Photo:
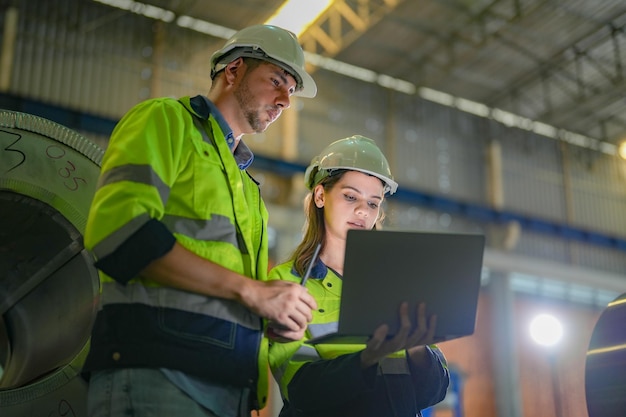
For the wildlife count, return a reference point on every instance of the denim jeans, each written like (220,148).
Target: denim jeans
(139,393)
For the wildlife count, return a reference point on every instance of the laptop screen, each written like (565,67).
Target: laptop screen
(383,268)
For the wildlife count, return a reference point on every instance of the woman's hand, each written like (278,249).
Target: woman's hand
(379,346)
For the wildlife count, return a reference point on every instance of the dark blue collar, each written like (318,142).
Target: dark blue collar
(319,270)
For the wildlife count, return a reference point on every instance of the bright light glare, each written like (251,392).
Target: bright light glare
(297,15)
(546,330)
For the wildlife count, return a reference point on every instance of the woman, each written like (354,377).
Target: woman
(396,377)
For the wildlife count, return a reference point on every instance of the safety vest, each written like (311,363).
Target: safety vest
(325,286)
(169,161)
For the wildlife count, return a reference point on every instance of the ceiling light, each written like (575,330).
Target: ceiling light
(297,15)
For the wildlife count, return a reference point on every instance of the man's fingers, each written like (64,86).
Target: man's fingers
(308,299)
(282,335)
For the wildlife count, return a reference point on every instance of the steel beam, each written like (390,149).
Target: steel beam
(342,23)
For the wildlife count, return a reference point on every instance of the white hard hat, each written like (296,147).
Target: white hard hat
(355,153)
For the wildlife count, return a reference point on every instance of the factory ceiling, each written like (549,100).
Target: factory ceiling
(555,63)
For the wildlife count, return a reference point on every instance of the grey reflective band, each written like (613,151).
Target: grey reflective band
(142,174)
(394,366)
(305,353)
(321,329)
(115,293)
(217,228)
(109,244)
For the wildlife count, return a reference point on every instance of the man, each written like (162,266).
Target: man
(179,231)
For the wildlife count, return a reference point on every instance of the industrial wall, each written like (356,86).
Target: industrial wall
(87,56)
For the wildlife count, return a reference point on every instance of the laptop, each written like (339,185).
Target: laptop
(383,268)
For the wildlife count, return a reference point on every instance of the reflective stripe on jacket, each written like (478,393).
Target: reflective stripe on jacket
(169,170)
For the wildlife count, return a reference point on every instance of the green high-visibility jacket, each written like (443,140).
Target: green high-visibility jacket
(169,175)
(327,380)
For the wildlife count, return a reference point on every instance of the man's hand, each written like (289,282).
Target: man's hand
(282,335)
(379,347)
(287,306)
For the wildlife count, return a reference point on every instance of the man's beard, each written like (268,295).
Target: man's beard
(247,102)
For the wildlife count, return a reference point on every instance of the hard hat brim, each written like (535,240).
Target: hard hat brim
(390,185)
(309,88)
